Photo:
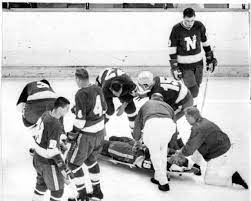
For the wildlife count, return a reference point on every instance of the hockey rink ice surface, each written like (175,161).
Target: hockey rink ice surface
(226,104)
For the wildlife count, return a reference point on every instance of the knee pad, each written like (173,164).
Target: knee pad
(194,90)
(56,195)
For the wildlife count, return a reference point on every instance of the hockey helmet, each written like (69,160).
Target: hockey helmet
(145,80)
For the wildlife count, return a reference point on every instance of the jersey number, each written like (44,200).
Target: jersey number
(42,85)
(37,130)
(169,84)
(190,43)
(98,110)
(113,73)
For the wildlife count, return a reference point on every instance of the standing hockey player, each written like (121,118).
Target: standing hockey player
(116,83)
(186,57)
(89,121)
(35,99)
(155,119)
(210,142)
(175,93)
(51,169)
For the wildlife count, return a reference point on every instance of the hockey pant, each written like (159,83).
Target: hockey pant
(157,133)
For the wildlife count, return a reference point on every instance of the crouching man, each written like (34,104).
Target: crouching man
(213,144)
(155,118)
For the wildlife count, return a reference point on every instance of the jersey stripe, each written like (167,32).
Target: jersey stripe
(95,127)
(55,178)
(206,43)
(76,150)
(132,114)
(42,95)
(190,58)
(182,93)
(172,50)
(120,154)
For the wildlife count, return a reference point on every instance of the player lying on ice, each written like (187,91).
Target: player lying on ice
(207,141)
(125,150)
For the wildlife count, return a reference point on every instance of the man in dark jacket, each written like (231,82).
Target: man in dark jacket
(213,145)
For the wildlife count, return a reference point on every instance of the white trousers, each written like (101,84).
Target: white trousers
(156,135)
(218,171)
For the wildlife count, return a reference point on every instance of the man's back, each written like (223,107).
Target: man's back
(90,104)
(155,108)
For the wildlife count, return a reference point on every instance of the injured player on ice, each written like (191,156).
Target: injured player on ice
(123,150)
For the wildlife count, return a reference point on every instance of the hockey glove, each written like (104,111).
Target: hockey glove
(72,136)
(63,143)
(211,61)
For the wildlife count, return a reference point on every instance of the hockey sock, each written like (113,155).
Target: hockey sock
(94,172)
(194,90)
(56,195)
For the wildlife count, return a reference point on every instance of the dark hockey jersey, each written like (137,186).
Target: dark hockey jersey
(34,91)
(172,91)
(128,86)
(108,74)
(48,135)
(90,107)
(186,43)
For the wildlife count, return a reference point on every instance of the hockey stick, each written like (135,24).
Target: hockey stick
(205,92)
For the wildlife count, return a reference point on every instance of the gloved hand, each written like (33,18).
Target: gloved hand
(72,136)
(211,61)
(175,70)
(63,143)
(68,175)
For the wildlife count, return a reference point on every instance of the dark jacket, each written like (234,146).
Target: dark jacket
(208,139)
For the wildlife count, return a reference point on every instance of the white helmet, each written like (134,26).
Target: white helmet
(145,80)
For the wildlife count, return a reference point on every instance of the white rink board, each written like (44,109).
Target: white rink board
(113,38)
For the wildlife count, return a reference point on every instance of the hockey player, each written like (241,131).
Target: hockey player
(210,142)
(116,83)
(155,118)
(35,99)
(175,93)
(89,122)
(122,149)
(186,57)
(50,167)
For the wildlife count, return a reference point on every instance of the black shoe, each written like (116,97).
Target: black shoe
(155,181)
(196,170)
(97,193)
(164,187)
(237,179)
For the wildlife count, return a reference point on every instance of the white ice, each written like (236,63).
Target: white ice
(226,104)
